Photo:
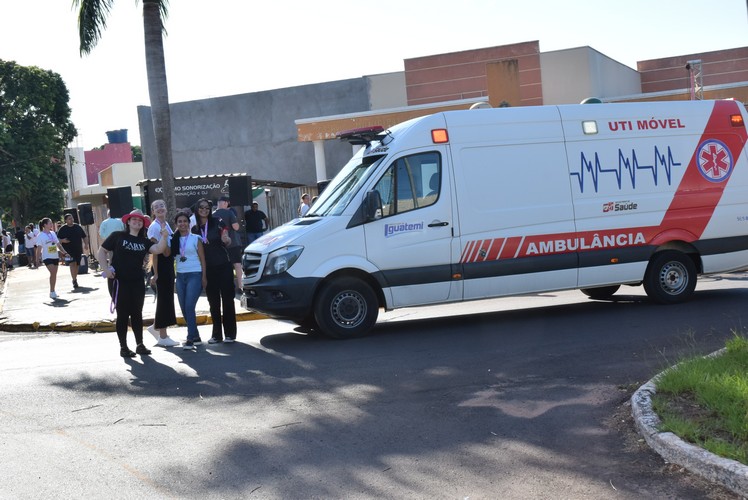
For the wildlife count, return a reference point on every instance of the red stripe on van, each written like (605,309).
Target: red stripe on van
(696,198)
(510,248)
(478,249)
(466,251)
(493,252)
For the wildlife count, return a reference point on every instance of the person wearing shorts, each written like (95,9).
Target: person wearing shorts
(74,240)
(48,249)
(30,244)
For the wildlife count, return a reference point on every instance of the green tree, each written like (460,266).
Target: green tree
(137,153)
(92,17)
(35,129)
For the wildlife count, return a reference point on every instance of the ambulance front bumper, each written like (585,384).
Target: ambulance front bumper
(282,296)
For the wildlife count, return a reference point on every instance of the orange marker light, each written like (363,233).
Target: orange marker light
(736,120)
(439,136)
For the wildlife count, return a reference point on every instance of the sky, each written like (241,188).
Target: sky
(240,46)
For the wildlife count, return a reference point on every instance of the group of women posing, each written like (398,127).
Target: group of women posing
(200,259)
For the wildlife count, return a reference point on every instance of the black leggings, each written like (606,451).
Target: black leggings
(165,312)
(130,297)
(220,292)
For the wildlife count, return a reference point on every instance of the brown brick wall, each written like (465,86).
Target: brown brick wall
(462,75)
(718,67)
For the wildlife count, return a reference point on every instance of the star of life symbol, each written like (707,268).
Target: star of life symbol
(714,160)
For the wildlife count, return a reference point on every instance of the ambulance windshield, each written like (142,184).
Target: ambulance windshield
(344,186)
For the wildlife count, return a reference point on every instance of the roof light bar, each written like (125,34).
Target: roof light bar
(358,136)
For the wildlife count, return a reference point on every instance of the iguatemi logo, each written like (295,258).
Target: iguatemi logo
(714,160)
(402,228)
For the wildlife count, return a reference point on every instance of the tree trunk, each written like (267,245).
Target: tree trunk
(159,95)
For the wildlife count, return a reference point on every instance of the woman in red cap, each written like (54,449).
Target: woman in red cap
(121,256)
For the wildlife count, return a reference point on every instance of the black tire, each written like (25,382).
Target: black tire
(670,277)
(601,292)
(346,308)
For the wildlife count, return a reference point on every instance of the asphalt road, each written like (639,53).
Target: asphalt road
(524,398)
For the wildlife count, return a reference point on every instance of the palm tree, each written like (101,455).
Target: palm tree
(92,17)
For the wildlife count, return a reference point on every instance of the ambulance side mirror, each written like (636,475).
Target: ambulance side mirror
(372,206)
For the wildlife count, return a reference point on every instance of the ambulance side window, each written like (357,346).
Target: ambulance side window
(411,182)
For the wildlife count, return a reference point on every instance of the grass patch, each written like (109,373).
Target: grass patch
(704,400)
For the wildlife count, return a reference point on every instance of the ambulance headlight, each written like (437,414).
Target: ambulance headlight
(281,260)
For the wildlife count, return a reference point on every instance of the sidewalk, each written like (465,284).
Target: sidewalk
(25,305)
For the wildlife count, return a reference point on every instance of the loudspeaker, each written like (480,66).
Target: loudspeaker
(321,185)
(86,214)
(71,211)
(120,201)
(240,190)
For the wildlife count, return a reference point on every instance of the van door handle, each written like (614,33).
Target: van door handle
(438,224)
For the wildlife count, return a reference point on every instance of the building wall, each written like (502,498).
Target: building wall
(464,75)
(126,174)
(255,133)
(718,67)
(387,90)
(75,164)
(572,75)
(99,159)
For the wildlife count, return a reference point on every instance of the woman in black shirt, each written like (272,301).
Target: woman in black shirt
(122,255)
(220,289)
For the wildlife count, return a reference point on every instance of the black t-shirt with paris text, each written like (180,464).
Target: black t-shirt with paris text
(128,252)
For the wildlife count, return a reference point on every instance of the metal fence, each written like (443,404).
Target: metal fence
(283,203)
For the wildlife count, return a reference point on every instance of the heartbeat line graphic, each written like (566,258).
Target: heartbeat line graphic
(630,165)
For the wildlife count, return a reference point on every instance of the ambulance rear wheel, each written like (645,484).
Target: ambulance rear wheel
(601,292)
(346,308)
(670,277)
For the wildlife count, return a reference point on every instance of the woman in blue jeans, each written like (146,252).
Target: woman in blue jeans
(187,249)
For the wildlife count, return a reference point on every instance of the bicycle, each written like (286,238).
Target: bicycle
(5,264)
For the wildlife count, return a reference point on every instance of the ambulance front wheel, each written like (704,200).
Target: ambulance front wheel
(345,308)
(670,277)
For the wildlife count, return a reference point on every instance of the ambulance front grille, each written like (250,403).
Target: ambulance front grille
(252,265)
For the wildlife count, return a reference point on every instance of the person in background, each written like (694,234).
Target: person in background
(75,242)
(229,218)
(21,238)
(121,256)
(7,242)
(49,249)
(256,222)
(163,277)
(110,225)
(30,240)
(304,206)
(7,246)
(220,273)
(187,249)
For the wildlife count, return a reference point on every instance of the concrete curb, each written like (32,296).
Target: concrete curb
(103,326)
(729,473)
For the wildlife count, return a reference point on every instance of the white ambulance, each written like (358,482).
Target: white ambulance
(473,204)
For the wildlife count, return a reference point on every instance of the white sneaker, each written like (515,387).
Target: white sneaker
(167,342)
(152,331)
(53,295)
